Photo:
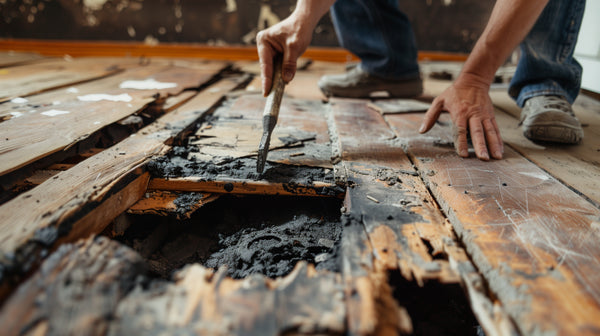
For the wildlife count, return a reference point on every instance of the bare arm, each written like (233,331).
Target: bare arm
(467,99)
(290,37)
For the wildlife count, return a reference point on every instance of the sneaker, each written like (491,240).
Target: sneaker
(357,83)
(550,118)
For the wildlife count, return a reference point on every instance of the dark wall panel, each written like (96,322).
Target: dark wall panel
(442,25)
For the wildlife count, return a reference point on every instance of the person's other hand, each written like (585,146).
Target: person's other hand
(290,37)
(471,111)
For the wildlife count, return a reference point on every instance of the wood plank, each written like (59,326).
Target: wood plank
(76,290)
(12,58)
(54,121)
(165,203)
(48,74)
(402,227)
(300,137)
(70,206)
(532,238)
(577,166)
(290,186)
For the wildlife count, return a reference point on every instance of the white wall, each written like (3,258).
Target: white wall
(587,51)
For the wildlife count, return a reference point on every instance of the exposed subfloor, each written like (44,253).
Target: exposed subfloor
(130,204)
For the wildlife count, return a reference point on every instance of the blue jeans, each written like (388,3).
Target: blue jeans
(547,66)
(381,36)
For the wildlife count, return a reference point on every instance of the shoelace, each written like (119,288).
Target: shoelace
(557,103)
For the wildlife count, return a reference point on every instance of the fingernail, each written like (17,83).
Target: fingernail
(485,156)
(464,153)
(498,155)
(422,128)
(287,76)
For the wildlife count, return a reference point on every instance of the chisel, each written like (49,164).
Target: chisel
(270,113)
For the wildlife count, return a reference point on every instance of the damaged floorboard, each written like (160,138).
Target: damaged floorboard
(517,235)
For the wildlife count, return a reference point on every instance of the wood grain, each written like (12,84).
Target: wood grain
(532,238)
(60,208)
(34,135)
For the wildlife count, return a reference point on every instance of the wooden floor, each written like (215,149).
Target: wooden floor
(520,235)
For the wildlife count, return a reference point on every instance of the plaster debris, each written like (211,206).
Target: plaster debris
(52,113)
(19,100)
(147,84)
(16,114)
(73,90)
(102,96)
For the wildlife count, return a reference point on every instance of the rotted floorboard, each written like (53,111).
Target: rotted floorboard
(519,241)
(533,239)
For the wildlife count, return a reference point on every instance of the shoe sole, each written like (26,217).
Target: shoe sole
(561,133)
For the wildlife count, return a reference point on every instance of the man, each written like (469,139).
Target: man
(546,82)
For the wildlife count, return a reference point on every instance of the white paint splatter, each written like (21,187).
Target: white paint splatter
(102,96)
(231,6)
(94,4)
(16,114)
(96,123)
(73,90)
(540,176)
(52,113)
(19,100)
(130,31)
(148,84)
(56,102)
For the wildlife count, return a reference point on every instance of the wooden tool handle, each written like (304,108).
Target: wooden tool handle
(277,86)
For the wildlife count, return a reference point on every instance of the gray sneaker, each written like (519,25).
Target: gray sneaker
(357,83)
(550,118)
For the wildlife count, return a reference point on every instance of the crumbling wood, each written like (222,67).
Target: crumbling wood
(84,199)
(246,186)
(402,226)
(201,301)
(75,291)
(164,203)
(59,119)
(533,239)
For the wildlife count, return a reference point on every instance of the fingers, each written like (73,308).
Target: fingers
(290,58)
(432,115)
(478,137)
(265,56)
(459,133)
(493,138)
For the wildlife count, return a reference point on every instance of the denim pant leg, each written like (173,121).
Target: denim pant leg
(547,66)
(379,34)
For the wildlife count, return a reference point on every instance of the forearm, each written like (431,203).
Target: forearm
(311,11)
(509,23)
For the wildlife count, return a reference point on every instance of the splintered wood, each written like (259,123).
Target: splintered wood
(519,234)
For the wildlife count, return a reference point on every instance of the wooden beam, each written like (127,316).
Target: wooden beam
(180,50)
(247,187)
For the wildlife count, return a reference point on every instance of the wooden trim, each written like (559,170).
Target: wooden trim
(176,50)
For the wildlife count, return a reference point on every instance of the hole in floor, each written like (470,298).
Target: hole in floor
(250,234)
(436,309)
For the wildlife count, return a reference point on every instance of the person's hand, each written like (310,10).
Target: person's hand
(471,111)
(290,37)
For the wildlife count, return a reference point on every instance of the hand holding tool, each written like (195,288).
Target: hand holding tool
(271,112)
